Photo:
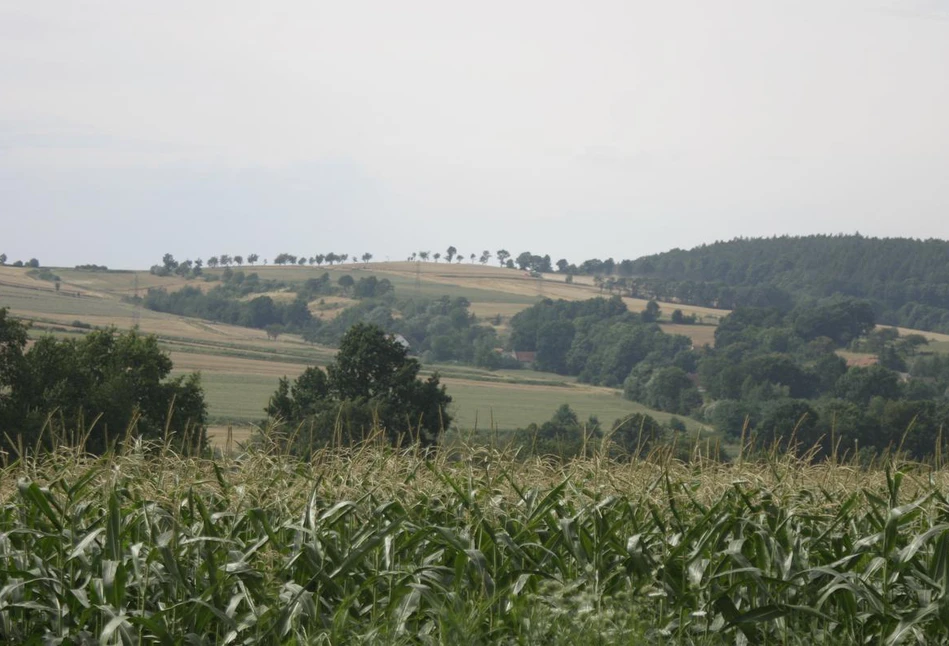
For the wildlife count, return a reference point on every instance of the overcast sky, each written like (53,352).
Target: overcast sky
(580,129)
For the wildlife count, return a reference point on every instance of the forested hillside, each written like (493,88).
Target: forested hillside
(907,280)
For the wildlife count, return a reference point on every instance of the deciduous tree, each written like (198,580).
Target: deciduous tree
(119,379)
(372,382)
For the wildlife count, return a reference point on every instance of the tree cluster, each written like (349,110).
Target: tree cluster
(565,436)
(778,376)
(228,302)
(32,262)
(195,268)
(218,305)
(318,259)
(372,386)
(94,391)
(598,340)
(905,280)
(441,329)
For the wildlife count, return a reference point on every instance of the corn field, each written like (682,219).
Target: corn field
(378,546)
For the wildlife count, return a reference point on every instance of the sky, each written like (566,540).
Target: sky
(575,129)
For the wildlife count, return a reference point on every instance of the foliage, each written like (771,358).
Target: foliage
(598,340)
(532,262)
(906,280)
(565,437)
(225,303)
(668,388)
(105,386)
(441,329)
(372,384)
(374,546)
(777,377)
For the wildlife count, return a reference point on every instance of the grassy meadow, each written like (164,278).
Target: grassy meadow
(238,398)
(373,546)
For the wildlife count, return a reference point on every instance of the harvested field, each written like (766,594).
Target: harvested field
(700,334)
(932,336)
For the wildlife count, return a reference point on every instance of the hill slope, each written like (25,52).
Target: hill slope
(906,279)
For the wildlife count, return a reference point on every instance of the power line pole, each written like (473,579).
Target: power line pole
(137,310)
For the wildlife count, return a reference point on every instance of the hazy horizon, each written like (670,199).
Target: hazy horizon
(615,129)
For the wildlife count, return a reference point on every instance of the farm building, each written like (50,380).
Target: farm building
(525,357)
(401,340)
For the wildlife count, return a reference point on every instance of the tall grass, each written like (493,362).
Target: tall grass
(375,545)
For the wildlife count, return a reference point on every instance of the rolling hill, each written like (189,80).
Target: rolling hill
(240,366)
(907,280)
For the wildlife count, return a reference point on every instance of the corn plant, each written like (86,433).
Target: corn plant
(372,545)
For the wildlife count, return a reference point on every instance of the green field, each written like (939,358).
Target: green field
(20,299)
(237,398)
(240,398)
(486,406)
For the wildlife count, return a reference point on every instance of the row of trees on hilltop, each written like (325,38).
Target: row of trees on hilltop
(525,261)
(193,268)
(32,262)
(329,258)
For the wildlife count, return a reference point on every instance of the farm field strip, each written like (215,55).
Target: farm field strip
(700,334)
(237,390)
